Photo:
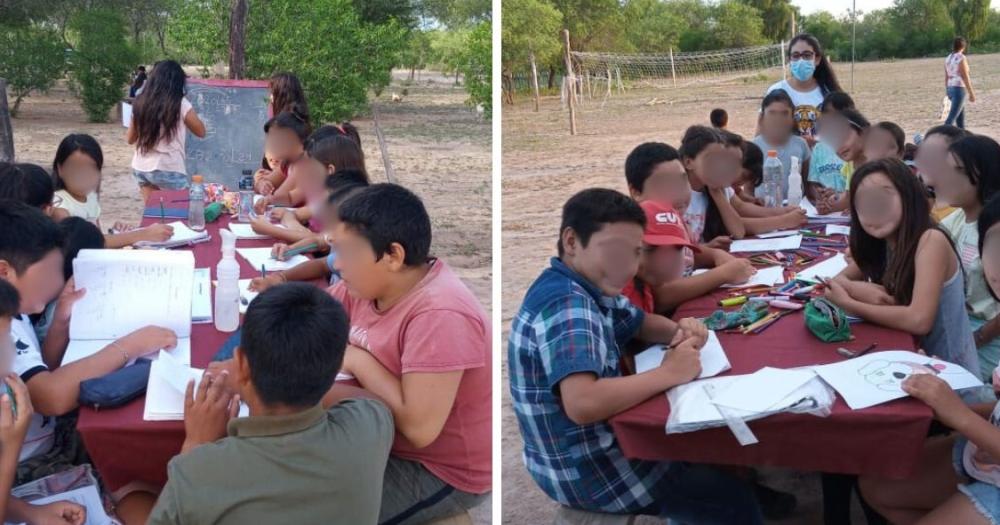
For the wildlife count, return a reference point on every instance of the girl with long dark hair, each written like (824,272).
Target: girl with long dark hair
(159,118)
(812,79)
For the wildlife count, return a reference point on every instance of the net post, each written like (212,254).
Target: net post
(570,83)
(784,72)
(534,79)
(673,72)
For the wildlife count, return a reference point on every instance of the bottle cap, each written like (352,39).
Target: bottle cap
(197,178)
(772,153)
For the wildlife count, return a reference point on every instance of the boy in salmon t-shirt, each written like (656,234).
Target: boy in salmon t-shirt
(420,341)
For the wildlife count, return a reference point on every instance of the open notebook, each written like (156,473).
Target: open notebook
(168,380)
(127,290)
(183,236)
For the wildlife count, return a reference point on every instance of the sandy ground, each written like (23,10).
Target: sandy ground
(543,166)
(438,146)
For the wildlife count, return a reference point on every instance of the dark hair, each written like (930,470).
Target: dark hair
(836,101)
(345,182)
(978,157)
(26,234)
(695,140)
(142,68)
(294,336)
(339,150)
(753,160)
(344,129)
(987,218)
(898,136)
(27,183)
(909,152)
(958,44)
(855,119)
(731,140)
(952,133)
(287,95)
(895,269)
(779,96)
(589,210)
(388,214)
(69,145)
(291,120)
(78,234)
(157,110)
(824,74)
(10,300)
(641,162)
(718,117)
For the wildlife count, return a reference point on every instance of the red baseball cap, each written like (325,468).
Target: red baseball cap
(664,226)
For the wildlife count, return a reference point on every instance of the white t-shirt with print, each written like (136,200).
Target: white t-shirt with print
(27,363)
(694,217)
(806,106)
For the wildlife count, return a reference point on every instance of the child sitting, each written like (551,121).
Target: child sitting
(662,260)
(294,461)
(930,160)
(846,132)
(284,142)
(419,341)
(777,132)
(884,140)
(564,353)
(825,166)
(31,185)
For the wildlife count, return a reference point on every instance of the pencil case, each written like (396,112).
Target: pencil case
(117,388)
(827,321)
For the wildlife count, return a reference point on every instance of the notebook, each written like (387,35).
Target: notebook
(262,256)
(183,236)
(168,380)
(827,269)
(127,290)
(769,276)
(170,211)
(713,358)
(245,231)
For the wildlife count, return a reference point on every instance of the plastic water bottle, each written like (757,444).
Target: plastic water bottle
(773,173)
(196,204)
(795,183)
(227,292)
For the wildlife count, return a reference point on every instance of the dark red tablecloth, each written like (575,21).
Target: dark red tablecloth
(122,446)
(884,440)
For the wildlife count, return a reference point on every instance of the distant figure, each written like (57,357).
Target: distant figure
(957,82)
(138,80)
(719,118)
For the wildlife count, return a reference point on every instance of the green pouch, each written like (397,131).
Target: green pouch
(212,211)
(827,321)
(749,313)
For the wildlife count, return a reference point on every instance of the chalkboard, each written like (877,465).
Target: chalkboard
(234,113)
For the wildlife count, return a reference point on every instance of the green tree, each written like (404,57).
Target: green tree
(971,17)
(417,53)
(529,26)
(777,16)
(653,26)
(200,30)
(478,68)
(31,59)
(833,34)
(102,60)
(737,25)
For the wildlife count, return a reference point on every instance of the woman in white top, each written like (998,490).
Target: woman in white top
(812,79)
(956,82)
(157,130)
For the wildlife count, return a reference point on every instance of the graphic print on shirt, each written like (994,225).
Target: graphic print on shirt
(805,120)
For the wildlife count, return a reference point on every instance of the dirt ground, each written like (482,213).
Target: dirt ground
(543,166)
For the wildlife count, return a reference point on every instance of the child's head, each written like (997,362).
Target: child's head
(654,171)
(753,164)
(888,208)
(384,231)
(157,110)
(719,118)
(971,173)
(807,61)
(10,302)
(339,186)
(78,234)
(285,136)
(601,238)
(706,160)
(883,141)
(989,245)
(292,345)
(734,144)
(326,152)
(959,45)
(777,117)
(845,132)
(932,152)
(663,243)
(287,95)
(27,183)
(78,163)
(835,102)
(31,256)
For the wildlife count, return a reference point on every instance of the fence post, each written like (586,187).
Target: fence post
(534,79)
(673,73)
(570,83)
(784,72)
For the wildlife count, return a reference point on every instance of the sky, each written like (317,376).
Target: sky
(839,7)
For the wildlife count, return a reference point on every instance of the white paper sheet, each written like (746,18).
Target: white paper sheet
(769,276)
(130,289)
(246,294)
(79,349)
(766,245)
(126,114)
(762,390)
(262,256)
(86,496)
(713,358)
(813,214)
(876,378)
(838,229)
(182,236)
(168,380)
(245,231)
(201,296)
(827,269)
(782,233)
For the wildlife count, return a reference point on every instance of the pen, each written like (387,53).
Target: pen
(161,210)
(866,350)
(263,272)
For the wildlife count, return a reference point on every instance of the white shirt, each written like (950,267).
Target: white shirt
(806,106)
(951,69)
(167,155)
(694,216)
(89,211)
(27,363)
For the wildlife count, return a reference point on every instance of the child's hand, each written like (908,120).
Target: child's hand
(147,340)
(279,249)
(259,284)
(721,242)
(690,328)
(13,429)
(795,218)
(948,407)
(278,213)
(738,271)
(261,185)
(207,414)
(122,227)
(67,298)
(157,233)
(58,513)
(683,362)
(261,205)
(870,293)
(837,293)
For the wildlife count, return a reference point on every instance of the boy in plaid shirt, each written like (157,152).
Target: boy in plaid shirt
(564,352)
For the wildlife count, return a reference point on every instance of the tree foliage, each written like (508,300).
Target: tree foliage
(102,61)
(32,58)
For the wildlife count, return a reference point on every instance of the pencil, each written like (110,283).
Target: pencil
(162,214)
(866,350)
(263,272)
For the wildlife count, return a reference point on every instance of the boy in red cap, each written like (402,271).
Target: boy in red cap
(662,260)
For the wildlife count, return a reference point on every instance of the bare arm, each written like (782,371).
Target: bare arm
(963,71)
(131,134)
(730,217)
(792,219)
(194,123)
(287,235)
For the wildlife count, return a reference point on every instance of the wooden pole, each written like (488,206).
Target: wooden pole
(237,38)
(6,131)
(609,83)
(534,79)
(784,71)
(570,83)
(673,72)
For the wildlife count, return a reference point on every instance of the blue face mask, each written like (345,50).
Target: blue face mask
(803,69)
